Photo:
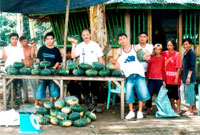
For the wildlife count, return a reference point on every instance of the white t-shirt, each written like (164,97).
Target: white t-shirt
(149,48)
(129,63)
(88,52)
(13,54)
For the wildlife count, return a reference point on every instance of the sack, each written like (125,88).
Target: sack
(163,104)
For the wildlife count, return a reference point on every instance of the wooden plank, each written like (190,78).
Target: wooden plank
(9,81)
(149,26)
(4,93)
(12,95)
(180,29)
(122,100)
(128,25)
(61,89)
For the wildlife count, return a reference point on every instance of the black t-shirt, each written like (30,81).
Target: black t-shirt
(49,54)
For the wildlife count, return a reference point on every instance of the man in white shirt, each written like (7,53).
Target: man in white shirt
(143,37)
(11,54)
(89,52)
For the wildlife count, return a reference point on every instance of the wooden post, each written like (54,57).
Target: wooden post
(180,31)
(98,25)
(32,28)
(150,26)
(4,93)
(128,25)
(65,35)
(19,27)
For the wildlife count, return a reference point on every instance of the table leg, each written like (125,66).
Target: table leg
(61,89)
(12,94)
(122,99)
(4,93)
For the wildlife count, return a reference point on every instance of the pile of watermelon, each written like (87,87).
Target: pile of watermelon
(64,112)
(44,68)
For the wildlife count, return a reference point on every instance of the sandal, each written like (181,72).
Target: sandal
(188,114)
(178,112)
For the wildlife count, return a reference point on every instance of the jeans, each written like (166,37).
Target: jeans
(33,84)
(141,90)
(153,86)
(42,86)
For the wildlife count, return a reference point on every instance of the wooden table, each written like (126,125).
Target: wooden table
(7,79)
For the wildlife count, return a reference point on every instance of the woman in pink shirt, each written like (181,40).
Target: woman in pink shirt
(173,65)
(155,74)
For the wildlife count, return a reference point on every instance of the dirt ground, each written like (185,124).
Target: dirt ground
(109,122)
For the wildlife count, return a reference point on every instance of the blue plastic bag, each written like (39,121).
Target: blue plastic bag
(163,104)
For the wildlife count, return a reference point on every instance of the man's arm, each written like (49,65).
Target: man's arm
(101,60)
(116,56)
(73,51)
(56,65)
(33,52)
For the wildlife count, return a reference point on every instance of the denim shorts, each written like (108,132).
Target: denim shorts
(137,83)
(190,96)
(42,86)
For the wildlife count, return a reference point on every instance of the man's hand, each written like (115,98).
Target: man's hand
(147,57)
(164,84)
(176,81)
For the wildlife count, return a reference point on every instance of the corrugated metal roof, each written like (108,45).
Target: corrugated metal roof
(196,2)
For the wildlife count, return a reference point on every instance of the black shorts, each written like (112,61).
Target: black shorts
(173,91)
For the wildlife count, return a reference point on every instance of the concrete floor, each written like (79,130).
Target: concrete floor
(109,122)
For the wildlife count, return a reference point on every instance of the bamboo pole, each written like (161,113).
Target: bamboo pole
(180,29)
(65,36)
(150,26)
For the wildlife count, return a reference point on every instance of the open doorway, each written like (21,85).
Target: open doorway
(164,26)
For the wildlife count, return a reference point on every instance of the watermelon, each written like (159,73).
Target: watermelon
(18,65)
(66,109)
(104,72)
(91,115)
(42,111)
(63,71)
(25,71)
(87,120)
(91,72)
(53,112)
(43,120)
(71,100)
(116,73)
(60,103)
(12,71)
(55,121)
(84,66)
(77,108)
(62,116)
(53,71)
(3,43)
(48,104)
(65,123)
(110,66)
(45,64)
(35,71)
(36,65)
(141,53)
(72,66)
(79,123)
(74,116)
(78,72)
(45,72)
(97,66)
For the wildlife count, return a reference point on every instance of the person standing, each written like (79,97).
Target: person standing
(29,55)
(11,54)
(52,54)
(88,51)
(173,65)
(126,60)
(143,37)
(155,74)
(189,76)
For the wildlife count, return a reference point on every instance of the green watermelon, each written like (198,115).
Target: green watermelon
(104,72)
(63,72)
(66,109)
(97,66)
(79,123)
(45,64)
(65,123)
(25,71)
(110,66)
(141,53)
(42,111)
(12,71)
(71,100)
(77,108)
(45,72)
(35,71)
(18,65)
(36,65)
(116,73)
(55,121)
(62,116)
(48,104)
(53,112)
(43,120)
(74,116)
(72,66)
(91,72)
(53,70)
(91,115)
(60,103)
(84,66)
(78,72)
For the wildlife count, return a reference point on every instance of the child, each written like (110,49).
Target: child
(52,54)
(11,54)
(155,74)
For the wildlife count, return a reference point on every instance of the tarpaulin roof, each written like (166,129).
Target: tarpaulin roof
(43,6)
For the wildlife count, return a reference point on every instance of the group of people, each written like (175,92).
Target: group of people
(161,68)
(143,79)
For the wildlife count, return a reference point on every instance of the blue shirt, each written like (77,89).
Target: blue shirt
(189,64)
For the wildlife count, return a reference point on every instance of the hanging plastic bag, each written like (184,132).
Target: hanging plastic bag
(163,104)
